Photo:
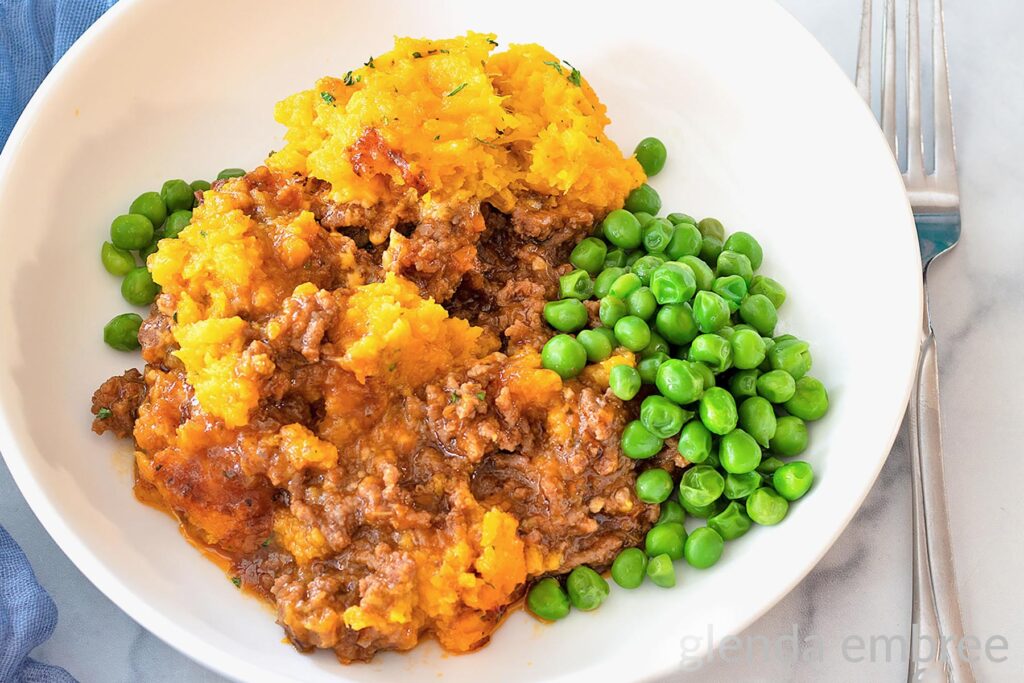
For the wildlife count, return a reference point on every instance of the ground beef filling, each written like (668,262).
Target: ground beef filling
(370,508)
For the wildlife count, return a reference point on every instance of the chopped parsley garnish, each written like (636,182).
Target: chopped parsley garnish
(103,413)
(436,138)
(453,397)
(457,90)
(556,66)
(392,366)
(492,41)
(349,80)
(417,55)
(266,542)
(370,63)
(237,581)
(481,395)
(443,51)
(327,97)
(574,75)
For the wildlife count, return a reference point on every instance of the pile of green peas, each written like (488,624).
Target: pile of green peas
(153,216)
(714,379)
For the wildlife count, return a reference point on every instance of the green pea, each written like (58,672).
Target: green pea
(199,185)
(138,287)
(744,383)
(566,315)
(629,567)
(661,572)
(703,548)
(700,486)
(791,355)
(644,198)
(712,227)
(673,283)
(666,539)
(641,303)
(710,249)
(638,443)
(710,311)
(748,349)
(732,288)
(231,173)
(793,480)
(732,522)
(757,310)
(547,600)
(738,452)
(624,285)
(632,332)
(177,222)
(622,229)
(657,345)
(152,248)
(777,386)
(651,154)
(616,258)
(611,310)
(680,218)
(713,350)
(654,486)
(784,337)
(678,381)
(645,265)
(589,255)
(643,217)
(757,418)
(131,231)
(766,507)
(608,334)
(726,332)
(671,511)
(656,236)
(603,282)
(648,366)
(564,355)
(703,511)
(122,332)
(775,292)
(695,442)
(662,417)
(744,243)
(702,272)
(624,382)
(705,373)
(634,256)
(151,205)
(177,195)
(769,465)
(587,589)
(596,345)
(790,436)
(685,241)
(575,285)
(739,486)
(734,263)
(116,261)
(809,401)
(718,411)
(675,322)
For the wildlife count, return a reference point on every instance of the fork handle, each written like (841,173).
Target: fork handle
(936,647)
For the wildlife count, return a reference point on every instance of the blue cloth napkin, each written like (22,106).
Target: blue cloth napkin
(27,618)
(33,36)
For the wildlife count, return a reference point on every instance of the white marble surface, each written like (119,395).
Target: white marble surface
(862,586)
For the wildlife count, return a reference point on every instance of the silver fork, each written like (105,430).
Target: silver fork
(935,199)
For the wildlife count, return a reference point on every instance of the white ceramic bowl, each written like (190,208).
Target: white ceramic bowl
(764,132)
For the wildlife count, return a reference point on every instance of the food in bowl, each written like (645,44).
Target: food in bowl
(396,382)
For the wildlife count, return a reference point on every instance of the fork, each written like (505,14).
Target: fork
(935,199)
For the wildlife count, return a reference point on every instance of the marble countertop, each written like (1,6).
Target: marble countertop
(862,586)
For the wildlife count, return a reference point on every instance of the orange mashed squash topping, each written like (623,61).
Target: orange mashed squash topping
(366,434)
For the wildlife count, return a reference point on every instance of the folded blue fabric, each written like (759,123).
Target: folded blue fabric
(33,36)
(27,618)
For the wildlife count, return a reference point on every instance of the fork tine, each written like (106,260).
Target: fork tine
(889,76)
(915,143)
(945,150)
(864,53)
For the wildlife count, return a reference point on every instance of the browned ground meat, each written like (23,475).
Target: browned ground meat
(116,404)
